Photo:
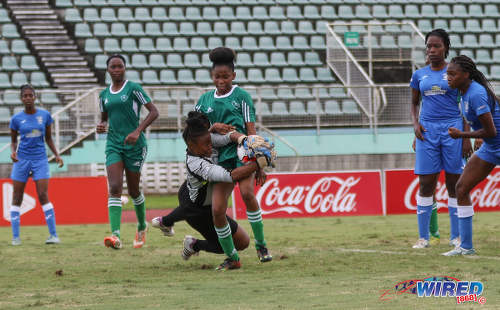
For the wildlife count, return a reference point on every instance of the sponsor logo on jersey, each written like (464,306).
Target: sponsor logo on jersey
(210,110)
(34,133)
(445,77)
(23,121)
(39,119)
(124,98)
(435,90)
(235,104)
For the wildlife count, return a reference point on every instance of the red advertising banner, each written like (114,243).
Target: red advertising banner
(316,194)
(401,189)
(76,201)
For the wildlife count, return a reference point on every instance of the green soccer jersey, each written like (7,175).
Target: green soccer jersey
(123,108)
(234,108)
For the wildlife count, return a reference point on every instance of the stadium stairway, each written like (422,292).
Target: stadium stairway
(55,49)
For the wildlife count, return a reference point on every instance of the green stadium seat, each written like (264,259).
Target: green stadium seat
(162,96)
(459,11)
(332,107)
(139,61)
(101,3)
(129,45)
(307,75)
(321,26)
(324,75)
(303,92)
(300,43)
(242,13)
(496,54)
(100,62)
(49,98)
(322,92)
(91,15)
(358,28)
(4,48)
(9,63)
(424,25)
(150,77)
(404,41)
(159,14)
(283,43)
(266,43)
(290,75)
(278,108)
(4,80)
(157,61)
(132,2)
(362,12)
(83,3)
(278,59)
(427,10)
(458,25)
(153,29)
(198,44)
(82,31)
(108,15)
(187,29)
(337,92)
(238,28)
(288,28)
(111,46)
(276,13)
(19,47)
(117,3)
(271,27)
(186,108)
(456,41)
(202,76)
(268,93)
(38,79)
(295,59)
(314,107)
(240,76)
(61,116)
(441,23)
(210,14)
(345,12)
(387,41)
(133,75)
(92,46)
(312,59)
(28,63)
(261,59)
(249,44)
(174,60)
(306,27)
(9,31)
(285,93)
(142,14)
(118,30)
(411,11)
(205,29)
(470,41)
(263,109)
(72,16)
(125,15)
(373,44)
(101,30)
(255,28)
(311,12)
(255,76)
(191,60)
(297,108)
(214,42)
(318,42)
(379,12)
(484,69)
(181,45)
(259,13)
(497,39)
(340,26)
(12,98)
(4,114)
(293,12)
(350,107)
(193,14)
(64,3)
(444,11)
(167,76)
(18,79)
(483,57)
(489,25)
(136,30)
(232,42)
(185,76)
(476,11)
(244,60)
(170,29)
(486,41)
(469,53)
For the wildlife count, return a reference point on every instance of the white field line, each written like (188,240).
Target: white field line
(406,253)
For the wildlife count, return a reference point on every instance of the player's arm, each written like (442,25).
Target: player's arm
(102,126)
(415,103)
(13,145)
(466,144)
(52,147)
(214,173)
(488,129)
(143,98)
(222,140)
(248,112)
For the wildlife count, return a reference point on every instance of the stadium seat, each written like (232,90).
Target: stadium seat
(9,31)
(293,12)
(185,76)
(240,76)
(427,10)
(306,28)
(460,11)
(203,76)
(470,41)
(255,28)
(312,59)
(272,75)
(283,43)
(198,44)
(489,25)
(174,60)
(9,63)
(116,3)
(100,62)
(411,11)
(4,80)
(176,14)
(64,3)
(125,15)
(227,13)
(153,29)
(441,23)
(82,31)
(271,27)
(90,15)
(150,77)
(92,46)
(136,30)
(28,63)
(263,109)
(455,40)
(134,76)
(181,45)
(191,60)
(243,13)
(259,13)
(295,59)
(404,41)
(332,107)
(276,13)
(318,42)
(244,60)
(303,92)
(387,41)
(285,93)
(118,30)
(108,15)
(4,114)
(307,75)
(157,61)
(255,76)
(132,2)
(288,28)
(324,75)
(278,59)
(167,76)
(101,30)
(72,16)
(486,41)
(444,11)
(297,108)
(83,3)
(483,57)
(314,107)
(350,107)
(290,75)
(139,61)
(187,29)
(210,13)
(18,79)
(4,48)
(238,28)
(12,98)
(337,92)
(205,29)
(49,98)
(362,12)
(61,116)
(159,14)
(249,44)
(214,42)
(232,42)
(19,47)
(490,10)
(261,59)
(111,45)
(129,45)
(267,94)
(220,28)
(424,25)
(266,43)
(279,108)
(458,25)
(170,29)
(193,14)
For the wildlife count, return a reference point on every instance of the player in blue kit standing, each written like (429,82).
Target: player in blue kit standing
(30,159)
(480,107)
(435,149)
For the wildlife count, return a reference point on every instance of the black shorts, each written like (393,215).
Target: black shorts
(199,217)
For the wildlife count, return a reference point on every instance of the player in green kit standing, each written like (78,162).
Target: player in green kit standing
(230,104)
(126,148)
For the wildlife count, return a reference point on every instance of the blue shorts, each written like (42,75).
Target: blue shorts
(439,151)
(488,154)
(38,168)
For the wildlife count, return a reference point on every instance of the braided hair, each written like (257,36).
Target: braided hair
(222,56)
(468,65)
(197,125)
(441,33)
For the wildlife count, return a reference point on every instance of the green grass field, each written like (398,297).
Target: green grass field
(320,263)
(160,202)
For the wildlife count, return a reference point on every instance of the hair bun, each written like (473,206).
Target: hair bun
(222,55)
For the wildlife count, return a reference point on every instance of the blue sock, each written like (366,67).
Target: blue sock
(424,219)
(50,218)
(454,231)
(15,220)
(465,227)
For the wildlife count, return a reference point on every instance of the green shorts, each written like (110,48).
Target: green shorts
(132,158)
(231,163)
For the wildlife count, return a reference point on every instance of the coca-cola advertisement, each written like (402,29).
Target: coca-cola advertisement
(316,194)
(401,189)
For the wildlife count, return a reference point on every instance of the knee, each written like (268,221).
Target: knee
(17,199)
(115,189)
(242,243)
(461,189)
(218,211)
(426,190)
(134,193)
(247,195)
(43,198)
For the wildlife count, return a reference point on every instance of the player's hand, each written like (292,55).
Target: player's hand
(260,177)
(101,127)
(466,148)
(59,161)
(454,132)
(132,137)
(221,128)
(13,156)
(414,144)
(477,143)
(419,131)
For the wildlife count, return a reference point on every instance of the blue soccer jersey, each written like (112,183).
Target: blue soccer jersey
(31,128)
(439,101)
(475,102)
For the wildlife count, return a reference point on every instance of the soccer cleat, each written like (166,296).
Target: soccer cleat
(52,240)
(263,254)
(188,250)
(113,242)
(455,242)
(421,244)
(229,264)
(16,241)
(460,251)
(140,238)
(167,230)
(434,240)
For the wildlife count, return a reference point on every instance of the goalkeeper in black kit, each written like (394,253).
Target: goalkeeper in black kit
(195,194)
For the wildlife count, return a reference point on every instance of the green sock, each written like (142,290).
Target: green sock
(115,215)
(226,242)
(433,227)
(140,211)
(255,219)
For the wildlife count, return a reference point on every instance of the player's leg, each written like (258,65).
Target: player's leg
(434,226)
(451,182)
(254,215)
(115,184)
(220,195)
(166,223)
(19,176)
(41,176)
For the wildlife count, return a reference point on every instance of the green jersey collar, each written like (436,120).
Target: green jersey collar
(117,92)
(226,95)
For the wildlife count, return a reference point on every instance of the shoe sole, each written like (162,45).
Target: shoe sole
(265,259)
(109,244)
